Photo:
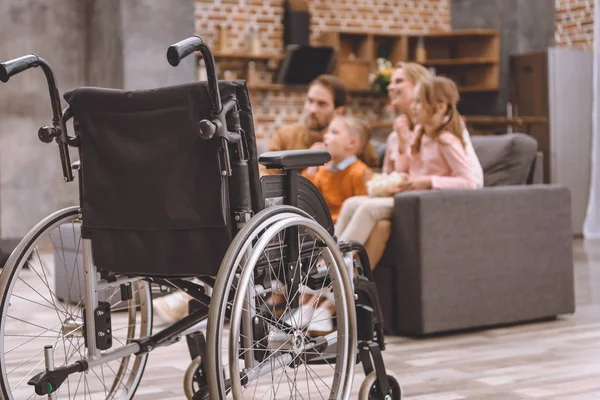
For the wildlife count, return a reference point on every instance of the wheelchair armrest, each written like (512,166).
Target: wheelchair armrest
(294,159)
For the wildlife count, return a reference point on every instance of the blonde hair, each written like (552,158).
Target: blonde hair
(414,72)
(431,92)
(357,128)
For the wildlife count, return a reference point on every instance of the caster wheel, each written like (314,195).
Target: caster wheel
(369,390)
(194,381)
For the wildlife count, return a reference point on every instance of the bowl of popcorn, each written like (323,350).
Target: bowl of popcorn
(382,184)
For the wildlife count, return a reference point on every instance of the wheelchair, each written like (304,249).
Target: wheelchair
(170,199)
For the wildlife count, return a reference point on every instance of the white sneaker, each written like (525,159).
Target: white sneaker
(300,317)
(322,321)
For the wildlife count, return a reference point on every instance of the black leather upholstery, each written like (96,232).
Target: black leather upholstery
(294,159)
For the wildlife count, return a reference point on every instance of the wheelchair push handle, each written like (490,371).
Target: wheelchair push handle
(13,67)
(182,49)
(179,50)
(221,113)
(58,130)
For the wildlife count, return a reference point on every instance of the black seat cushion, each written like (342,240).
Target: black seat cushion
(294,159)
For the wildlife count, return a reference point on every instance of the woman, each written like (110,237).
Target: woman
(401,92)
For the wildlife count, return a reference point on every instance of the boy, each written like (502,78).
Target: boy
(345,175)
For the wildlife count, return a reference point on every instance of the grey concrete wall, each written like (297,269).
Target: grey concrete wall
(104,44)
(31,183)
(524,26)
(128,41)
(149,28)
(111,43)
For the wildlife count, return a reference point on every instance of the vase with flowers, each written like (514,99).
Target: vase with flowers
(381,78)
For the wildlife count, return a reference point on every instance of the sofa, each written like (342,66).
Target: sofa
(471,259)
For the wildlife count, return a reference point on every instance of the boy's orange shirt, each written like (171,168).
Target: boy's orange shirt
(337,186)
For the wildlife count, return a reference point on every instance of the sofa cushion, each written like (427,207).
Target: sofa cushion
(505,159)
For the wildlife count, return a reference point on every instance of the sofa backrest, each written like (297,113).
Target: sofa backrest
(505,159)
(380,150)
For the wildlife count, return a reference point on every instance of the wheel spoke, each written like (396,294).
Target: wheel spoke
(29,322)
(280,343)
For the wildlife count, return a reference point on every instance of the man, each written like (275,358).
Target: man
(326,98)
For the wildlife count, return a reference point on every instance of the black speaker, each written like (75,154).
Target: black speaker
(296,23)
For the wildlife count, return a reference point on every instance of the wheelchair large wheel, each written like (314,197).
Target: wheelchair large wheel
(254,351)
(35,314)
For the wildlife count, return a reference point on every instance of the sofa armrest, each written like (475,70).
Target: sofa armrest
(471,258)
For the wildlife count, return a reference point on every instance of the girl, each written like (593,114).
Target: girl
(401,92)
(436,159)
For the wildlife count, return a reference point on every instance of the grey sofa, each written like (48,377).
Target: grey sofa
(463,259)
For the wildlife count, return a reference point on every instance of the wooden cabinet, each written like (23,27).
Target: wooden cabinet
(469,57)
(556,84)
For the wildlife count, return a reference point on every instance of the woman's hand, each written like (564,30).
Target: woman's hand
(415,183)
(394,187)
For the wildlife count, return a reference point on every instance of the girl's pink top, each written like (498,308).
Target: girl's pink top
(443,158)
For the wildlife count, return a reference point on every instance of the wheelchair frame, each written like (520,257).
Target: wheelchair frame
(225,125)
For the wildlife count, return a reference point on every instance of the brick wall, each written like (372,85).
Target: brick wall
(575,23)
(274,108)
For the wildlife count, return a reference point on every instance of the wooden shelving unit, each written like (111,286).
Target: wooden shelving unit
(459,61)
(354,57)
(300,88)
(244,56)
(469,57)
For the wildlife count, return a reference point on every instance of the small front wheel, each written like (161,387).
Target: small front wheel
(194,381)
(369,390)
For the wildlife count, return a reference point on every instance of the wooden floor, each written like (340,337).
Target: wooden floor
(558,359)
(552,360)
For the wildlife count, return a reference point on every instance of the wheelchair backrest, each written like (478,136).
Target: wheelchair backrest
(153,198)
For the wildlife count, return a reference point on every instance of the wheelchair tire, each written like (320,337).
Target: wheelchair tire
(30,291)
(193,381)
(368,389)
(290,347)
